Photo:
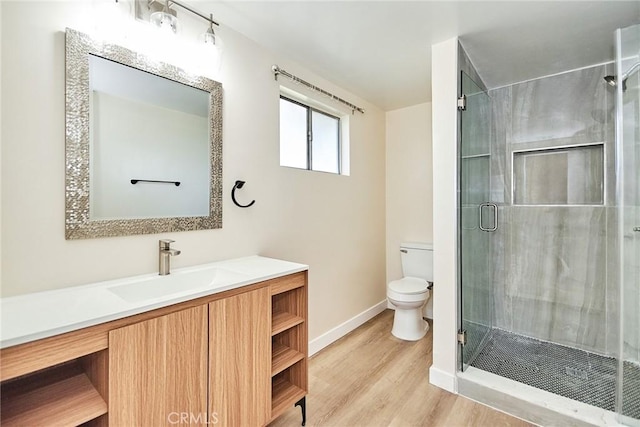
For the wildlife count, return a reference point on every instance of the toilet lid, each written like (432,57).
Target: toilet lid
(409,285)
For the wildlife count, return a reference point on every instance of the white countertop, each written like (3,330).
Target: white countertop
(40,315)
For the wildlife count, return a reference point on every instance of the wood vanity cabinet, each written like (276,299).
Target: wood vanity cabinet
(240,359)
(237,358)
(158,370)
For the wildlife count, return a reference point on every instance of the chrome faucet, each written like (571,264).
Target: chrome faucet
(164,256)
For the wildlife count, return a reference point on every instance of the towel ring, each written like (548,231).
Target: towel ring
(239,184)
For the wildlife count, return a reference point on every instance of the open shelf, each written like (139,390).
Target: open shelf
(283,357)
(289,376)
(283,395)
(63,397)
(282,320)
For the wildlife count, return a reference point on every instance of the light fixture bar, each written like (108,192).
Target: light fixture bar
(187,8)
(277,70)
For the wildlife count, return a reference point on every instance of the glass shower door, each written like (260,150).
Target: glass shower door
(478,218)
(628,157)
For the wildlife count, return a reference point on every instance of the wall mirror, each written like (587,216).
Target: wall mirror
(143,144)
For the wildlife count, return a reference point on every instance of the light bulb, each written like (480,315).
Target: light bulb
(211,39)
(165,21)
(212,51)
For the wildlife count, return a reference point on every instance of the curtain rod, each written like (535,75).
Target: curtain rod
(277,70)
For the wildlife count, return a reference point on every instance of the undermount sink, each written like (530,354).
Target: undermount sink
(175,283)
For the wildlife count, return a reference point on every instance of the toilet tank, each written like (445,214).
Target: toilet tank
(417,260)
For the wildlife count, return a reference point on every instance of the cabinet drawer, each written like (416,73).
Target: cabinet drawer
(286,283)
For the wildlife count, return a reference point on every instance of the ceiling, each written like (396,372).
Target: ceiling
(381,50)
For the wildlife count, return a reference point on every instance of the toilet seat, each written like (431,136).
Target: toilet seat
(409,286)
(408,289)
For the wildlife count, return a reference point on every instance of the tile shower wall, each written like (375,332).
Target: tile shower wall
(550,261)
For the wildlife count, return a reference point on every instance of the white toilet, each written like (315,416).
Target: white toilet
(410,294)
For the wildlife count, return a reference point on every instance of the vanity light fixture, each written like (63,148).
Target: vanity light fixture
(210,38)
(213,47)
(204,53)
(165,19)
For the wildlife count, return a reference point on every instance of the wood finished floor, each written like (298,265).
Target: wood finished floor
(370,378)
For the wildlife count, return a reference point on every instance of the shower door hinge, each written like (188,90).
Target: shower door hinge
(462,103)
(462,337)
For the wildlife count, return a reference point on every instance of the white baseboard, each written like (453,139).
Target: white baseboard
(443,380)
(343,329)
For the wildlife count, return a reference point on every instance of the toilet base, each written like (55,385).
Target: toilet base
(409,325)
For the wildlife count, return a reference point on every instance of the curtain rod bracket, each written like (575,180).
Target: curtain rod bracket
(276,71)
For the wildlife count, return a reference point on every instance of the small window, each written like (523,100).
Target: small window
(309,138)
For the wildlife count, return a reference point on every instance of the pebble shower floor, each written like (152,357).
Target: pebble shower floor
(566,371)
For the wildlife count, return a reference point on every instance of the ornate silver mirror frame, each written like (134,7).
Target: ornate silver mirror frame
(78,222)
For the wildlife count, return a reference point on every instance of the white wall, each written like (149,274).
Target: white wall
(409,182)
(444,85)
(336,224)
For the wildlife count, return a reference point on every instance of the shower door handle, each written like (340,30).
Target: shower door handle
(495,216)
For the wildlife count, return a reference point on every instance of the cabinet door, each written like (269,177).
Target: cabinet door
(158,371)
(240,359)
